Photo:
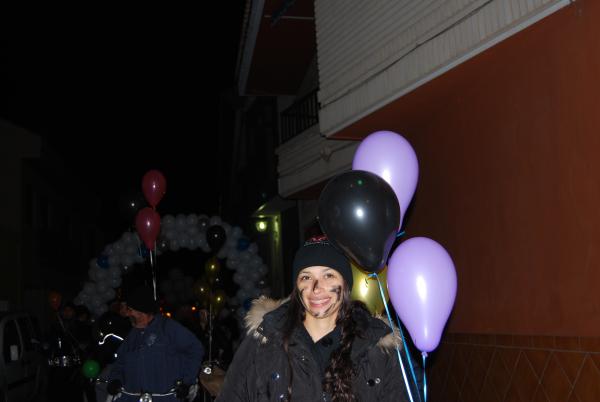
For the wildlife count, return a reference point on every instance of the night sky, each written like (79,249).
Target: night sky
(120,91)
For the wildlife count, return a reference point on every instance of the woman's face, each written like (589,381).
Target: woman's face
(320,289)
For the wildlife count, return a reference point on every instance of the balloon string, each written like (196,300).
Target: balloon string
(374,275)
(152,262)
(412,370)
(424,377)
(400,234)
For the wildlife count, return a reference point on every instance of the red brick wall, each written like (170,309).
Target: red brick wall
(509,152)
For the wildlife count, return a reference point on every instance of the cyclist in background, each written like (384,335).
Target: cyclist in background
(156,353)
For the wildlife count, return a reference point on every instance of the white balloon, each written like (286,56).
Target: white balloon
(227,228)
(236,232)
(115,282)
(263,269)
(101,287)
(193,242)
(114,272)
(129,238)
(233,253)
(255,293)
(232,263)
(99,310)
(246,256)
(92,273)
(109,294)
(118,247)
(114,260)
(191,220)
(89,288)
(255,275)
(180,222)
(174,245)
(256,261)
(167,221)
(131,249)
(127,259)
(183,240)
(253,248)
(101,274)
(215,220)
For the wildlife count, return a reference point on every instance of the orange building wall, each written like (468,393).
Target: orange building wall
(509,152)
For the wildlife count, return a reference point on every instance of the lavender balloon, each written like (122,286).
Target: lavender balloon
(391,157)
(422,286)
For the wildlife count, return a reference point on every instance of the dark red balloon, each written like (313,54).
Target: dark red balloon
(154,187)
(147,224)
(54,299)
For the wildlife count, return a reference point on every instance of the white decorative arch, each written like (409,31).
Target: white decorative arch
(177,232)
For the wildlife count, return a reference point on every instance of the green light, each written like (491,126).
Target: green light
(261,226)
(360,182)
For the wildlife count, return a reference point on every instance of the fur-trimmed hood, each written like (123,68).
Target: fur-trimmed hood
(265,319)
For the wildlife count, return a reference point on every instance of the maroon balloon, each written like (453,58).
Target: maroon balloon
(147,223)
(154,186)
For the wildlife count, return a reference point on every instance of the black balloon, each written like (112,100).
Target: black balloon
(359,213)
(215,237)
(130,203)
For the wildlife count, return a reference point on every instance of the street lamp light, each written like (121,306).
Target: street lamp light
(262,226)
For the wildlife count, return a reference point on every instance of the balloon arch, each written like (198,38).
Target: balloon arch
(191,232)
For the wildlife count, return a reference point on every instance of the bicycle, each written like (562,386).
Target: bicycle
(144,396)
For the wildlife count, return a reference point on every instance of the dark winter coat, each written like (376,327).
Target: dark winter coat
(259,371)
(154,358)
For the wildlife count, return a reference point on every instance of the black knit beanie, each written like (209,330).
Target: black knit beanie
(317,251)
(142,300)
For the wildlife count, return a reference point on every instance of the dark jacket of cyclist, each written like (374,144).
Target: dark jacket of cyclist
(156,354)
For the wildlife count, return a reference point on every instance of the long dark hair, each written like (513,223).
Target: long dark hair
(340,372)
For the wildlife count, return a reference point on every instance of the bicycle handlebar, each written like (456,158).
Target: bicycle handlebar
(140,393)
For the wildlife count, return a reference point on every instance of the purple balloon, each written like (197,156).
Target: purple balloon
(392,158)
(422,286)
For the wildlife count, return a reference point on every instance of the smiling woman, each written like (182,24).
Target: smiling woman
(318,345)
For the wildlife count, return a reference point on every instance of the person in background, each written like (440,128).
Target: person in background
(318,345)
(156,354)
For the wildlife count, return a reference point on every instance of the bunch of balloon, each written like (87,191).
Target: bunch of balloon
(362,213)
(147,220)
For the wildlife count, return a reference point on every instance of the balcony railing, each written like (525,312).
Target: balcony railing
(303,113)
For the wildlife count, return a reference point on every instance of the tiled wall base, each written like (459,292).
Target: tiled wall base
(514,368)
